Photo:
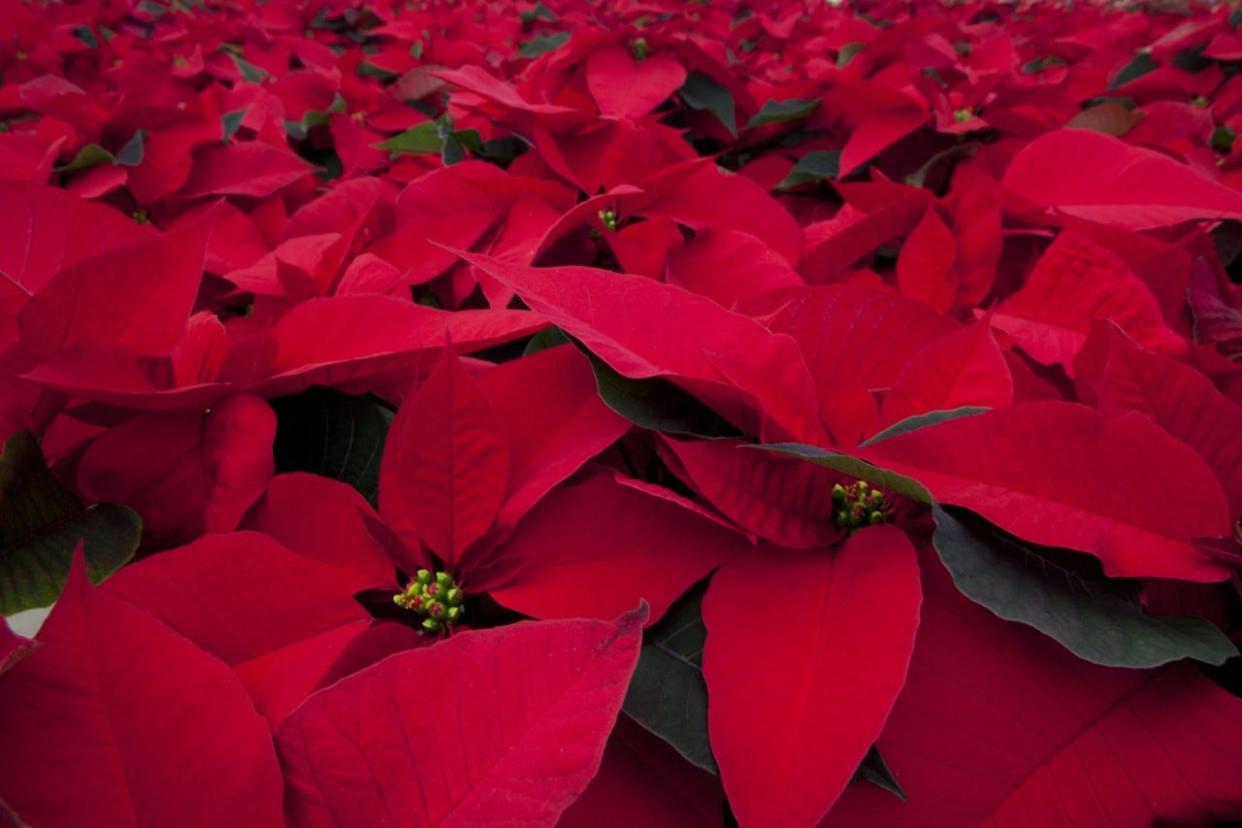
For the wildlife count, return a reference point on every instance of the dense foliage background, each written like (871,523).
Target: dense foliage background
(620,413)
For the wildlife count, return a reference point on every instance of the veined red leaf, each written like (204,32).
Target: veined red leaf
(799,688)
(1182,400)
(1060,474)
(334,532)
(1127,186)
(185,473)
(962,368)
(253,168)
(1074,283)
(442,735)
(778,498)
(137,717)
(597,545)
(1078,745)
(136,297)
(287,618)
(613,314)
(925,264)
(446,462)
(626,88)
(551,440)
(729,266)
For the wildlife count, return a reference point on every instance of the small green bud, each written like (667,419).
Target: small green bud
(453,614)
(431,625)
(454,596)
(639,48)
(444,579)
(423,576)
(961,116)
(875,518)
(838,493)
(608,218)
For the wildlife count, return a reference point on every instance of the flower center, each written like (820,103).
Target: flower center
(609,219)
(436,597)
(963,115)
(857,505)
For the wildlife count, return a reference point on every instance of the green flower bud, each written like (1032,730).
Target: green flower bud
(423,576)
(444,579)
(431,625)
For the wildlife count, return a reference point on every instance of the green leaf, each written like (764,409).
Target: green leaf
(130,155)
(539,12)
(84,34)
(541,43)
(875,770)
(1019,582)
(657,404)
(367,69)
(1223,138)
(1136,68)
(817,165)
(917,421)
(778,112)
(422,139)
(847,52)
(89,156)
(892,481)
(248,70)
(667,693)
(41,523)
(334,435)
(918,178)
(704,94)
(1235,17)
(545,339)
(230,122)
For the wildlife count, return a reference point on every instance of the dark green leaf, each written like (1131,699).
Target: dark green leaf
(667,693)
(1223,138)
(1040,64)
(89,156)
(817,165)
(423,139)
(1018,582)
(541,43)
(918,178)
(248,70)
(778,112)
(230,122)
(545,339)
(369,70)
(41,523)
(1136,68)
(885,479)
(130,155)
(847,52)
(332,434)
(922,421)
(1235,17)
(657,404)
(704,94)
(84,34)
(539,12)
(875,770)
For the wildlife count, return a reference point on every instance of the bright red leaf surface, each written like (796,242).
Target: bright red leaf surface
(138,717)
(443,736)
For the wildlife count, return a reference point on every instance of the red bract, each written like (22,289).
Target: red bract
(381,358)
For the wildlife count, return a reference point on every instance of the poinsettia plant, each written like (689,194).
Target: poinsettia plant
(741,413)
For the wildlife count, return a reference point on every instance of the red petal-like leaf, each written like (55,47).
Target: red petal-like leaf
(595,546)
(503,725)
(254,168)
(998,725)
(1060,474)
(962,368)
(118,720)
(626,88)
(286,620)
(1075,283)
(136,297)
(614,315)
(778,498)
(1183,401)
(334,531)
(1122,185)
(555,419)
(925,264)
(800,687)
(446,462)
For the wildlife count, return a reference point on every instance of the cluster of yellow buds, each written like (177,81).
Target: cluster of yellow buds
(857,505)
(434,596)
(608,218)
